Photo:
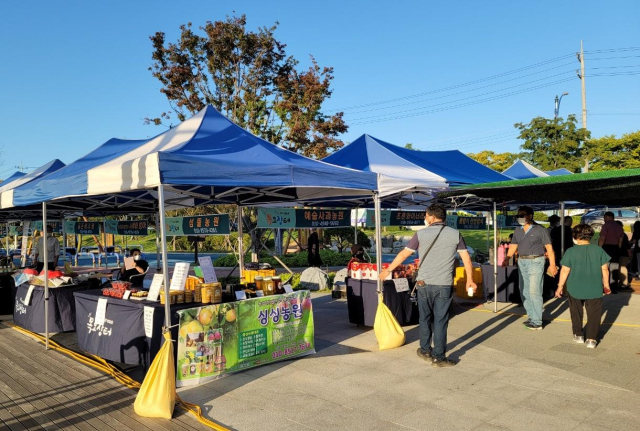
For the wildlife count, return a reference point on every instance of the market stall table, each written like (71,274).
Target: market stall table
(62,307)
(362,302)
(122,338)
(509,284)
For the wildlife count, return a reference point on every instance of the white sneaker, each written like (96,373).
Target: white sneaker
(578,339)
(591,344)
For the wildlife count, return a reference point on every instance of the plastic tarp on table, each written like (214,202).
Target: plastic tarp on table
(209,157)
(404,170)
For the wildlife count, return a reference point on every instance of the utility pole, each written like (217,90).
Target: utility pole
(584,96)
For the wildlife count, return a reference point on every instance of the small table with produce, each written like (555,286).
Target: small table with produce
(362,302)
(28,310)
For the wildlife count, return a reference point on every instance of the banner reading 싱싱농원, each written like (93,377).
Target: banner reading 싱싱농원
(218,339)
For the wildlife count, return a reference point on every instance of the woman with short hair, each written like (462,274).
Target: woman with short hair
(585,271)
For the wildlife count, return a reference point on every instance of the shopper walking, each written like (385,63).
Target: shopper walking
(622,276)
(635,246)
(53,252)
(530,241)
(585,272)
(437,246)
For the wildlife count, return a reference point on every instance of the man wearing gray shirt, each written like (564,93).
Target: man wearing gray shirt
(437,245)
(531,241)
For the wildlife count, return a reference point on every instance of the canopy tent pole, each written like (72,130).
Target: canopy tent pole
(355,228)
(9,258)
(157,240)
(488,237)
(495,257)
(240,241)
(165,263)
(45,258)
(104,230)
(64,237)
(561,229)
(376,202)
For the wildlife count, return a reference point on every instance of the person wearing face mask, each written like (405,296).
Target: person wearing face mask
(140,267)
(531,241)
(437,246)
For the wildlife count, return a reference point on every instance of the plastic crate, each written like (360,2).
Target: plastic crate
(460,283)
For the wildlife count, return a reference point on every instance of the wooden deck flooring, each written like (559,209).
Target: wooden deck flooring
(47,390)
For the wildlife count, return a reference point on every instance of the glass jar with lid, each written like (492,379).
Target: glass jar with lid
(268,287)
(277,285)
(259,282)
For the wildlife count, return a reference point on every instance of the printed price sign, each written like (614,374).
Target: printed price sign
(402,284)
(180,274)
(154,290)
(101,311)
(208,271)
(148,321)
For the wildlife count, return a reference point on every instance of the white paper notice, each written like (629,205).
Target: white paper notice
(129,263)
(27,299)
(287,288)
(402,284)
(154,290)
(241,294)
(101,311)
(180,274)
(148,321)
(126,295)
(208,271)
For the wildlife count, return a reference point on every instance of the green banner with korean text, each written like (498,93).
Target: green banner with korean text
(396,218)
(127,227)
(215,340)
(284,218)
(466,223)
(217,224)
(52,226)
(82,227)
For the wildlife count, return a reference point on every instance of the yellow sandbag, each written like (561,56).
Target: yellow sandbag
(387,329)
(157,395)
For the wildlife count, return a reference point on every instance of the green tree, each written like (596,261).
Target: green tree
(496,161)
(248,76)
(609,152)
(409,146)
(552,144)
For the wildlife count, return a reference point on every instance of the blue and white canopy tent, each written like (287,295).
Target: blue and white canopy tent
(207,159)
(7,189)
(521,170)
(13,177)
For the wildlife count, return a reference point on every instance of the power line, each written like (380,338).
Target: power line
(453,87)
(471,90)
(371,119)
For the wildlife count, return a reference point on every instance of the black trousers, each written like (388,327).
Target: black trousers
(40,267)
(594,315)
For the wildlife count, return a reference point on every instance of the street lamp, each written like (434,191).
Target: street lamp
(558,100)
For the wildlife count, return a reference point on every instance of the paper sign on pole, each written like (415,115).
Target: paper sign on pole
(154,290)
(148,321)
(101,311)
(27,299)
(402,284)
(25,242)
(180,274)
(208,271)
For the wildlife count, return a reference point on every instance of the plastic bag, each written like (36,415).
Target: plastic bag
(157,395)
(388,331)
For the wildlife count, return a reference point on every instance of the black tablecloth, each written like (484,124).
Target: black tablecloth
(7,293)
(122,338)
(62,308)
(362,302)
(509,284)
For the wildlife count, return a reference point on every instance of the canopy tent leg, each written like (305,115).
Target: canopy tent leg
(65,243)
(104,229)
(45,258)
(165,263)
(376,202)
(561,229)
(495,257)
(240,241)
(157,242)
(9,258)
(355,228)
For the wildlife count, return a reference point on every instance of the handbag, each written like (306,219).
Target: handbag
(414,298)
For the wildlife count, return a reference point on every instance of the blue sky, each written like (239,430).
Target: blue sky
(74,74)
